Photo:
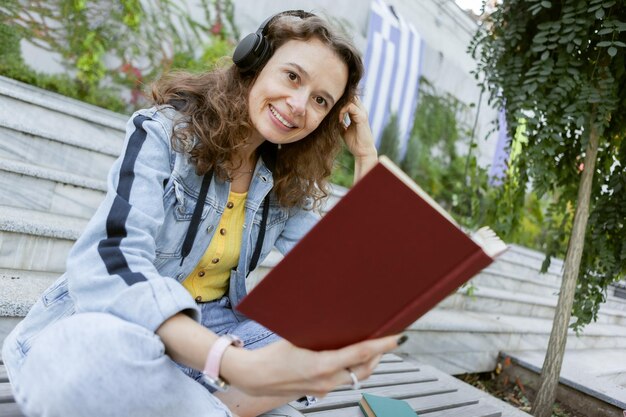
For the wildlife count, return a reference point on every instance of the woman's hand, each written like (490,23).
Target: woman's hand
(359,138)
(284,370)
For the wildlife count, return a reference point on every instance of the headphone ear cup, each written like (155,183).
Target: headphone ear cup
(251,52)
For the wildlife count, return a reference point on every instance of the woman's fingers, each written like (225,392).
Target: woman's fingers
(363,352)
(364,370)
(360,358)
(301,371)
(355,109)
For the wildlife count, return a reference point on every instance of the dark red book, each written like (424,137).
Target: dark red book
(381,258)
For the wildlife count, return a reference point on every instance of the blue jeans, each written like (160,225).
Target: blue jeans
(96,364)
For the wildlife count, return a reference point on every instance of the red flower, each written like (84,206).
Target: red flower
(216,29)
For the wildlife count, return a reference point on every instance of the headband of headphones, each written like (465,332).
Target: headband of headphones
(255,49)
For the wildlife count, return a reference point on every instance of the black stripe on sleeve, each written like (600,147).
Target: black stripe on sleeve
(109,248)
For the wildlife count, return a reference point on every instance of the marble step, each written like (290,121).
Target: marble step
(58,118)
(579,371)
(532,258)
(458,341)
(46,149)
(524,263)
(612,368)
(496,301)
(36,241)
(62,104)
(21,289)
(504,280)
(526,268)
(48,190)
(617,378)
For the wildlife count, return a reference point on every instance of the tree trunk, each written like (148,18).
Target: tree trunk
(542,406)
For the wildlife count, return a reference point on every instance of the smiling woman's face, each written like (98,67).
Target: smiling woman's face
(296,89)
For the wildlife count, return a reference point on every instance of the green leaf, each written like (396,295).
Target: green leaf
(612,51)
(604,44)
(544,26)
(605,31)
(545,55)
(620,44)
(600,14)
(546,4)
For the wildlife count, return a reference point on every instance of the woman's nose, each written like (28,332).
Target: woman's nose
(297,103)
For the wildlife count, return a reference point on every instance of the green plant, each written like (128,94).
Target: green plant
(389,140)
(432,158)
(107,47)
(343,172)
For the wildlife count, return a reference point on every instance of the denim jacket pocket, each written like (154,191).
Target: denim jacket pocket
(276,216)
(185,203)
(179,205)
(54,304)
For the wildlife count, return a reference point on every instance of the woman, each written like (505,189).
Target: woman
(146,301)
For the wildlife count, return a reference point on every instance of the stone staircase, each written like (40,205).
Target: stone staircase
(511,309)
(55,153)
(54,156)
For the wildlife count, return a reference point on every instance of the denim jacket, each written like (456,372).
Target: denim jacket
(127,261)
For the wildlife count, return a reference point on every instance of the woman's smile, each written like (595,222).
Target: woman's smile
(281,121)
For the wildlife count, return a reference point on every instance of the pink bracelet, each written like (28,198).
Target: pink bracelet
(214,359)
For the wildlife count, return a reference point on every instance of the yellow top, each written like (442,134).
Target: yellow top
(209,280)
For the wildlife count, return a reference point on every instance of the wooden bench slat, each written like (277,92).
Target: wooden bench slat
(393,379)
(391,357)
(10,410)
(386,368)
(6,396)
(339,399)
(474,410)
(421,405)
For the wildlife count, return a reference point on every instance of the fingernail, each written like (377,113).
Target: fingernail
(402,339)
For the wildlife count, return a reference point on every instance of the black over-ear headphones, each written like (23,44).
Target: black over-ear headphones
(255,49)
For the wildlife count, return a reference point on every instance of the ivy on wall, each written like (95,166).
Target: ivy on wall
(108,47)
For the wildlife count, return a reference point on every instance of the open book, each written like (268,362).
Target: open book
(383,256)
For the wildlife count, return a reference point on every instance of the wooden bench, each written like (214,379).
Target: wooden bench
(8,408)
(429,391)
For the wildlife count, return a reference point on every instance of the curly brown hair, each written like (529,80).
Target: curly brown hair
(217,122)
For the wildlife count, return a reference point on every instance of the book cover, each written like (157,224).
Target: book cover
(382,257)
(375,406)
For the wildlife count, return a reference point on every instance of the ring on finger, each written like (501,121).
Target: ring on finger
(355,381)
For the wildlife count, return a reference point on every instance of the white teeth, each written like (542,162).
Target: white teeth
(279,117)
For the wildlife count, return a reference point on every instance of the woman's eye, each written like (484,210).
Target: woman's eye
(320,100)
(292,76)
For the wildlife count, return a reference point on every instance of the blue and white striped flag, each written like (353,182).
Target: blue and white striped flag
(392,71)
